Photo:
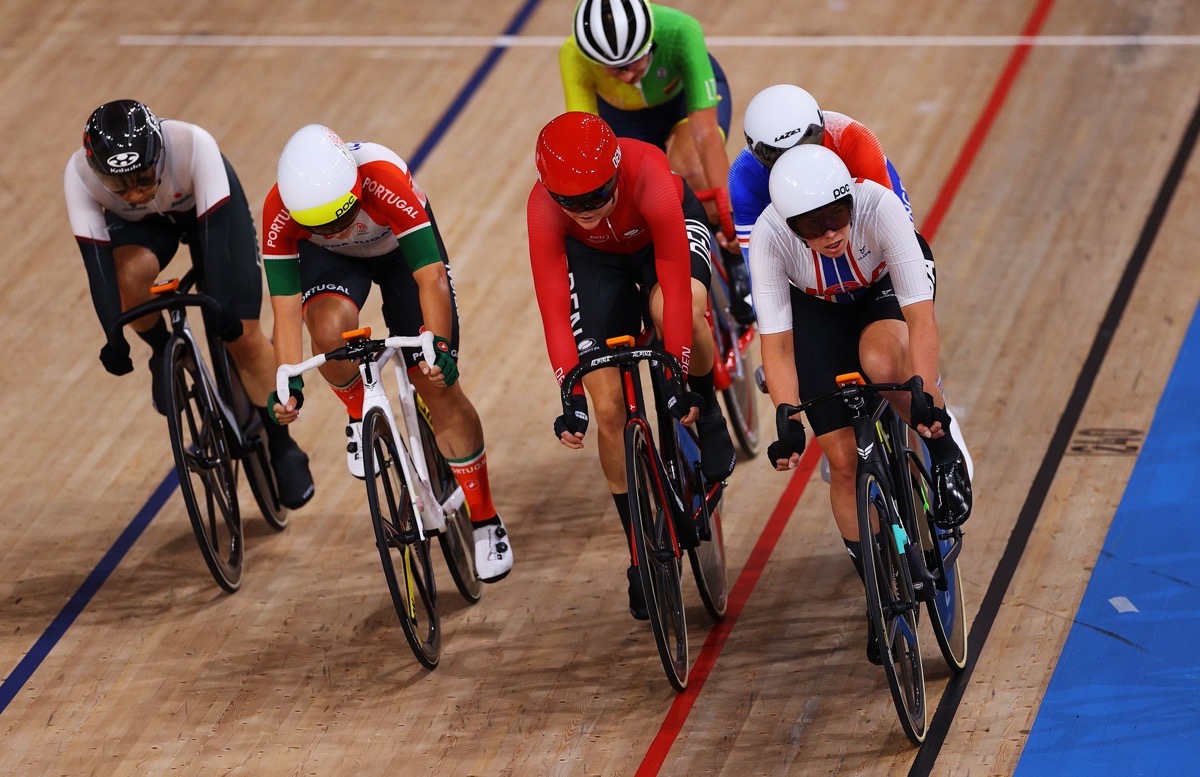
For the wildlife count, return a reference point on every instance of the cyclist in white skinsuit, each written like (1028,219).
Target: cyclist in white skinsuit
(138,188)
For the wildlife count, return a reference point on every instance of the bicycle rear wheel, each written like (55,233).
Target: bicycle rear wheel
(658,562)
(405,556)
(458,544)
(256,455)
(741,398)
(708,557)
(891,605)
(947,609)
(207,478)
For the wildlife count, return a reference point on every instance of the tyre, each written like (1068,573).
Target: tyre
(657,560)
(206,468)
(891,606)
(947,610)
(256,456)
(707,558)
(458,544)
(741,398)
(405,556)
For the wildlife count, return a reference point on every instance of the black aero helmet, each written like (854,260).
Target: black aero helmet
(122,137)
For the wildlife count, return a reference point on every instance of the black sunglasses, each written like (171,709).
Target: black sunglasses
(815,223)
(768,154)
(340,224)
(123,184)
(593,200)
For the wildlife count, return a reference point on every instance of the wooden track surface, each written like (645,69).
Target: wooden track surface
(305,671)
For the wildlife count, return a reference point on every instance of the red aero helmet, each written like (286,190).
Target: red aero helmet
(577,153)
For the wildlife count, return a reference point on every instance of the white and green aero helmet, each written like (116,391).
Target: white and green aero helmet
(613,32)
(317,176)
(780,117)
(806,178)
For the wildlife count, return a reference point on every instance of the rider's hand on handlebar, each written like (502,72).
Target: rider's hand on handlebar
(784,453)
(684,405)
(444,370)
(115,356)
(285,415)
(570,427)
(928,419)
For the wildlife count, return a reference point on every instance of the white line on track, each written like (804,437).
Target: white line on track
(542,41)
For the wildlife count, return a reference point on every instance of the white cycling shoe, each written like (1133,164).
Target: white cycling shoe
(493,553)
(354,452)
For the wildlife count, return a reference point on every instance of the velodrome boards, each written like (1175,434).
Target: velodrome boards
(1035,138)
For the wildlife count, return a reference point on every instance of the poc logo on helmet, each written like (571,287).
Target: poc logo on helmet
(841,191)
(123,160)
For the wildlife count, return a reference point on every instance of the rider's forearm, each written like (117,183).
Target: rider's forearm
(779,368)
(710,145)
(433,289)
(923,345)
(288,332)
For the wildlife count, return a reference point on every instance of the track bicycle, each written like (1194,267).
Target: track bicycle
(907,558)
(672,510)
(215,431)
(411,492)
(733,365)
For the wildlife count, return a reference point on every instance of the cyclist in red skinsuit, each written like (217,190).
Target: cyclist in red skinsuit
(613,232)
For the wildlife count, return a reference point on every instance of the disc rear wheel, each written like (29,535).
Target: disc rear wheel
(457,541)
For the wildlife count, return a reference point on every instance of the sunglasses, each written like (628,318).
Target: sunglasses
(340,224)
(123,184)
(593,200)
(769,154)
(814,224)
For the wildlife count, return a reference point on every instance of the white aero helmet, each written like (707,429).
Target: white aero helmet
(318,177)
(808,178)
(780,117)
(613,32)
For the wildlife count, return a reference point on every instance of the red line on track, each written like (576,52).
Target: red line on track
(657,753)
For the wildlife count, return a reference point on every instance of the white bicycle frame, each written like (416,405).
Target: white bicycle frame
(412,455)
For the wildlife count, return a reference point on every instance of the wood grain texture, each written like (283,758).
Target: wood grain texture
(305,671)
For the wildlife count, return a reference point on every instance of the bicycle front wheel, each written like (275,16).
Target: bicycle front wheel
(947,609)
(457,541)
(207,477)
(658,561)
(708,557)
(891,605)
(405,556)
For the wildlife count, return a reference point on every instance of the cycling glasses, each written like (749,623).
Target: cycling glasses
(123,184)
(768,154)
(593,200)
(340,224)
(814,224)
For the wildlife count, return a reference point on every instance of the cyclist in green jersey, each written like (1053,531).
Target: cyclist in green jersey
(646,71)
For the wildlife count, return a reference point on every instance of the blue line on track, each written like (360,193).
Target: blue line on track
(57,629)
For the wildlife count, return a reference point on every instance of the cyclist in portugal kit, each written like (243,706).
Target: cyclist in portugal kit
(136,190)
(612,233)
(341,217)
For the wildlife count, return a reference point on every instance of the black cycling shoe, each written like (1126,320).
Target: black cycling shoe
(295,481)
(951,493)
(739,293)
(717,457)
(637,601)
(160,387)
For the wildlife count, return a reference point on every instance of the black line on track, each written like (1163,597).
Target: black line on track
(989,608)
